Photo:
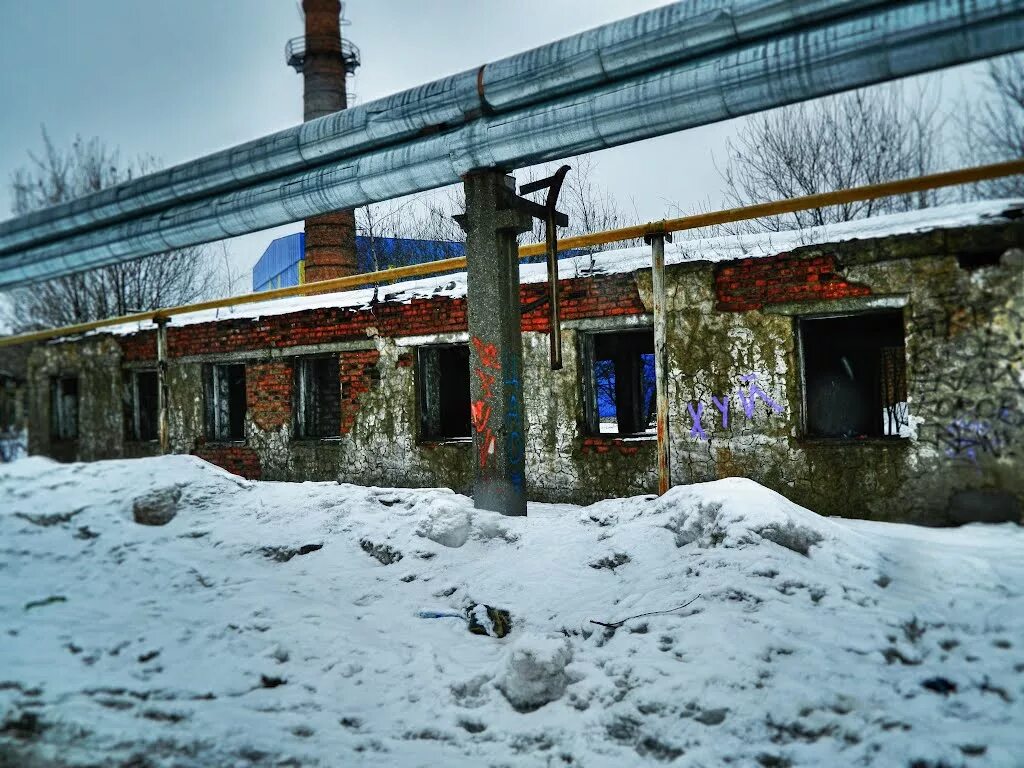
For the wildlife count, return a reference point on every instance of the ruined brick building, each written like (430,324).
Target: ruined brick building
(875,370)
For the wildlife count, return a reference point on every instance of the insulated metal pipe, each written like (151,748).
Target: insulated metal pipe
(645,42)
(854,51)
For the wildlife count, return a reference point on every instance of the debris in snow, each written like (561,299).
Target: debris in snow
(45,601)
(157,507)
(284,554)
(381,552)
(535,672)
(488,620)
(617,624)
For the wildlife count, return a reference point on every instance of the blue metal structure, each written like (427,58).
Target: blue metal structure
(680,66)
(282,263)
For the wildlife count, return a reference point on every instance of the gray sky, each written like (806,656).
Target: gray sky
(181,79)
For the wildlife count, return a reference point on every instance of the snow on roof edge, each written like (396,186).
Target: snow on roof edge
(618,261)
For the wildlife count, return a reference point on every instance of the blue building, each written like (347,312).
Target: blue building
(282,264)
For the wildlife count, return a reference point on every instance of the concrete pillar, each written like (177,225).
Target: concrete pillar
(163,424)
(330,238)
(496,342)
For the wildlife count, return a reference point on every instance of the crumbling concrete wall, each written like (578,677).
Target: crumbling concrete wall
(96,362)
(961,295)
(732,333)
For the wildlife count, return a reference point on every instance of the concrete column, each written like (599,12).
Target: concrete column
(496,342)
(657,242)
(163,425)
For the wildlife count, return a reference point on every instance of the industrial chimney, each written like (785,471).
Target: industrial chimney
(325,60)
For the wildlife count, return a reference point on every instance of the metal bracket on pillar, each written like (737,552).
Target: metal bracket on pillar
(163,425)
(657,242)
(552,220)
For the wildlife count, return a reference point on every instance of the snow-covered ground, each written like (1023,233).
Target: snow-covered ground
(276,624)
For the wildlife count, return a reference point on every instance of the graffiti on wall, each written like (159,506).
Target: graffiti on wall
(515,446)
(481,409)
(966,438)
(748,400)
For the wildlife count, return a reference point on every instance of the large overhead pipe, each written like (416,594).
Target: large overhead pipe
(655,39)
(877,45)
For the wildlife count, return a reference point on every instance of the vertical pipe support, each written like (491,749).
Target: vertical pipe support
(163,430)
(492,224)
(551,236)
(657,242)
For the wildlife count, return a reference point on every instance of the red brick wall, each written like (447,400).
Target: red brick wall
(138,347)
(238,459)
(268,393)
(358,372)
(601,296)
(751,283)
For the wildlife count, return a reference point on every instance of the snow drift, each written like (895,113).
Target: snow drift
(277,624)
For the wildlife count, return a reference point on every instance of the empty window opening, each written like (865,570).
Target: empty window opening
(619,382)
(443,387)
(225,401)
(142,405)
(979,259)
(317,397)
(855,376)
(64,407)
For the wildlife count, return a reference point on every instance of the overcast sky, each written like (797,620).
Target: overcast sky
(179,79)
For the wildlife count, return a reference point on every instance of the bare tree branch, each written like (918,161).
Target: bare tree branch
(54,176)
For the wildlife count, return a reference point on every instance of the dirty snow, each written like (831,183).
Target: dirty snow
(271,624)
(621,260)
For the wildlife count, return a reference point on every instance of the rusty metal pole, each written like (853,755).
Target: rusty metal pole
(657,242)
(163,430)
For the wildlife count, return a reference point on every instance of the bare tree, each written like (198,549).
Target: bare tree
(410,231)
(589,206)
(996,131)
(863,137)
(55,176)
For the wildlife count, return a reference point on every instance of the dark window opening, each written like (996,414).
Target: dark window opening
(855,376)
(141,405)
(64,408)
(443,387)
(979,259)
(317,397)
(225,402)
(619,382)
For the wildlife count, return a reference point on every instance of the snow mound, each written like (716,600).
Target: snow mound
(736,512)
(535,674)
(324,624)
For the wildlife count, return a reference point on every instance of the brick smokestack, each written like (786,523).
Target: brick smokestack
(330,238)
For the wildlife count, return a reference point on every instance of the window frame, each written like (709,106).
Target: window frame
(425,433)
(133,420)
(301,372)
(799,320)
(213,417)
(590,418)
(57,427)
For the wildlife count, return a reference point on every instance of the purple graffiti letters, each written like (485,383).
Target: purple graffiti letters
(697,430)
(754,391)
(723,406)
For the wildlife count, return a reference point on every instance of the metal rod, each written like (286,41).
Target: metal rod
(555,333)
(661,358)
(807,202)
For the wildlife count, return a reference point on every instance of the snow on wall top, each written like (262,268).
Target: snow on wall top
(621,260)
